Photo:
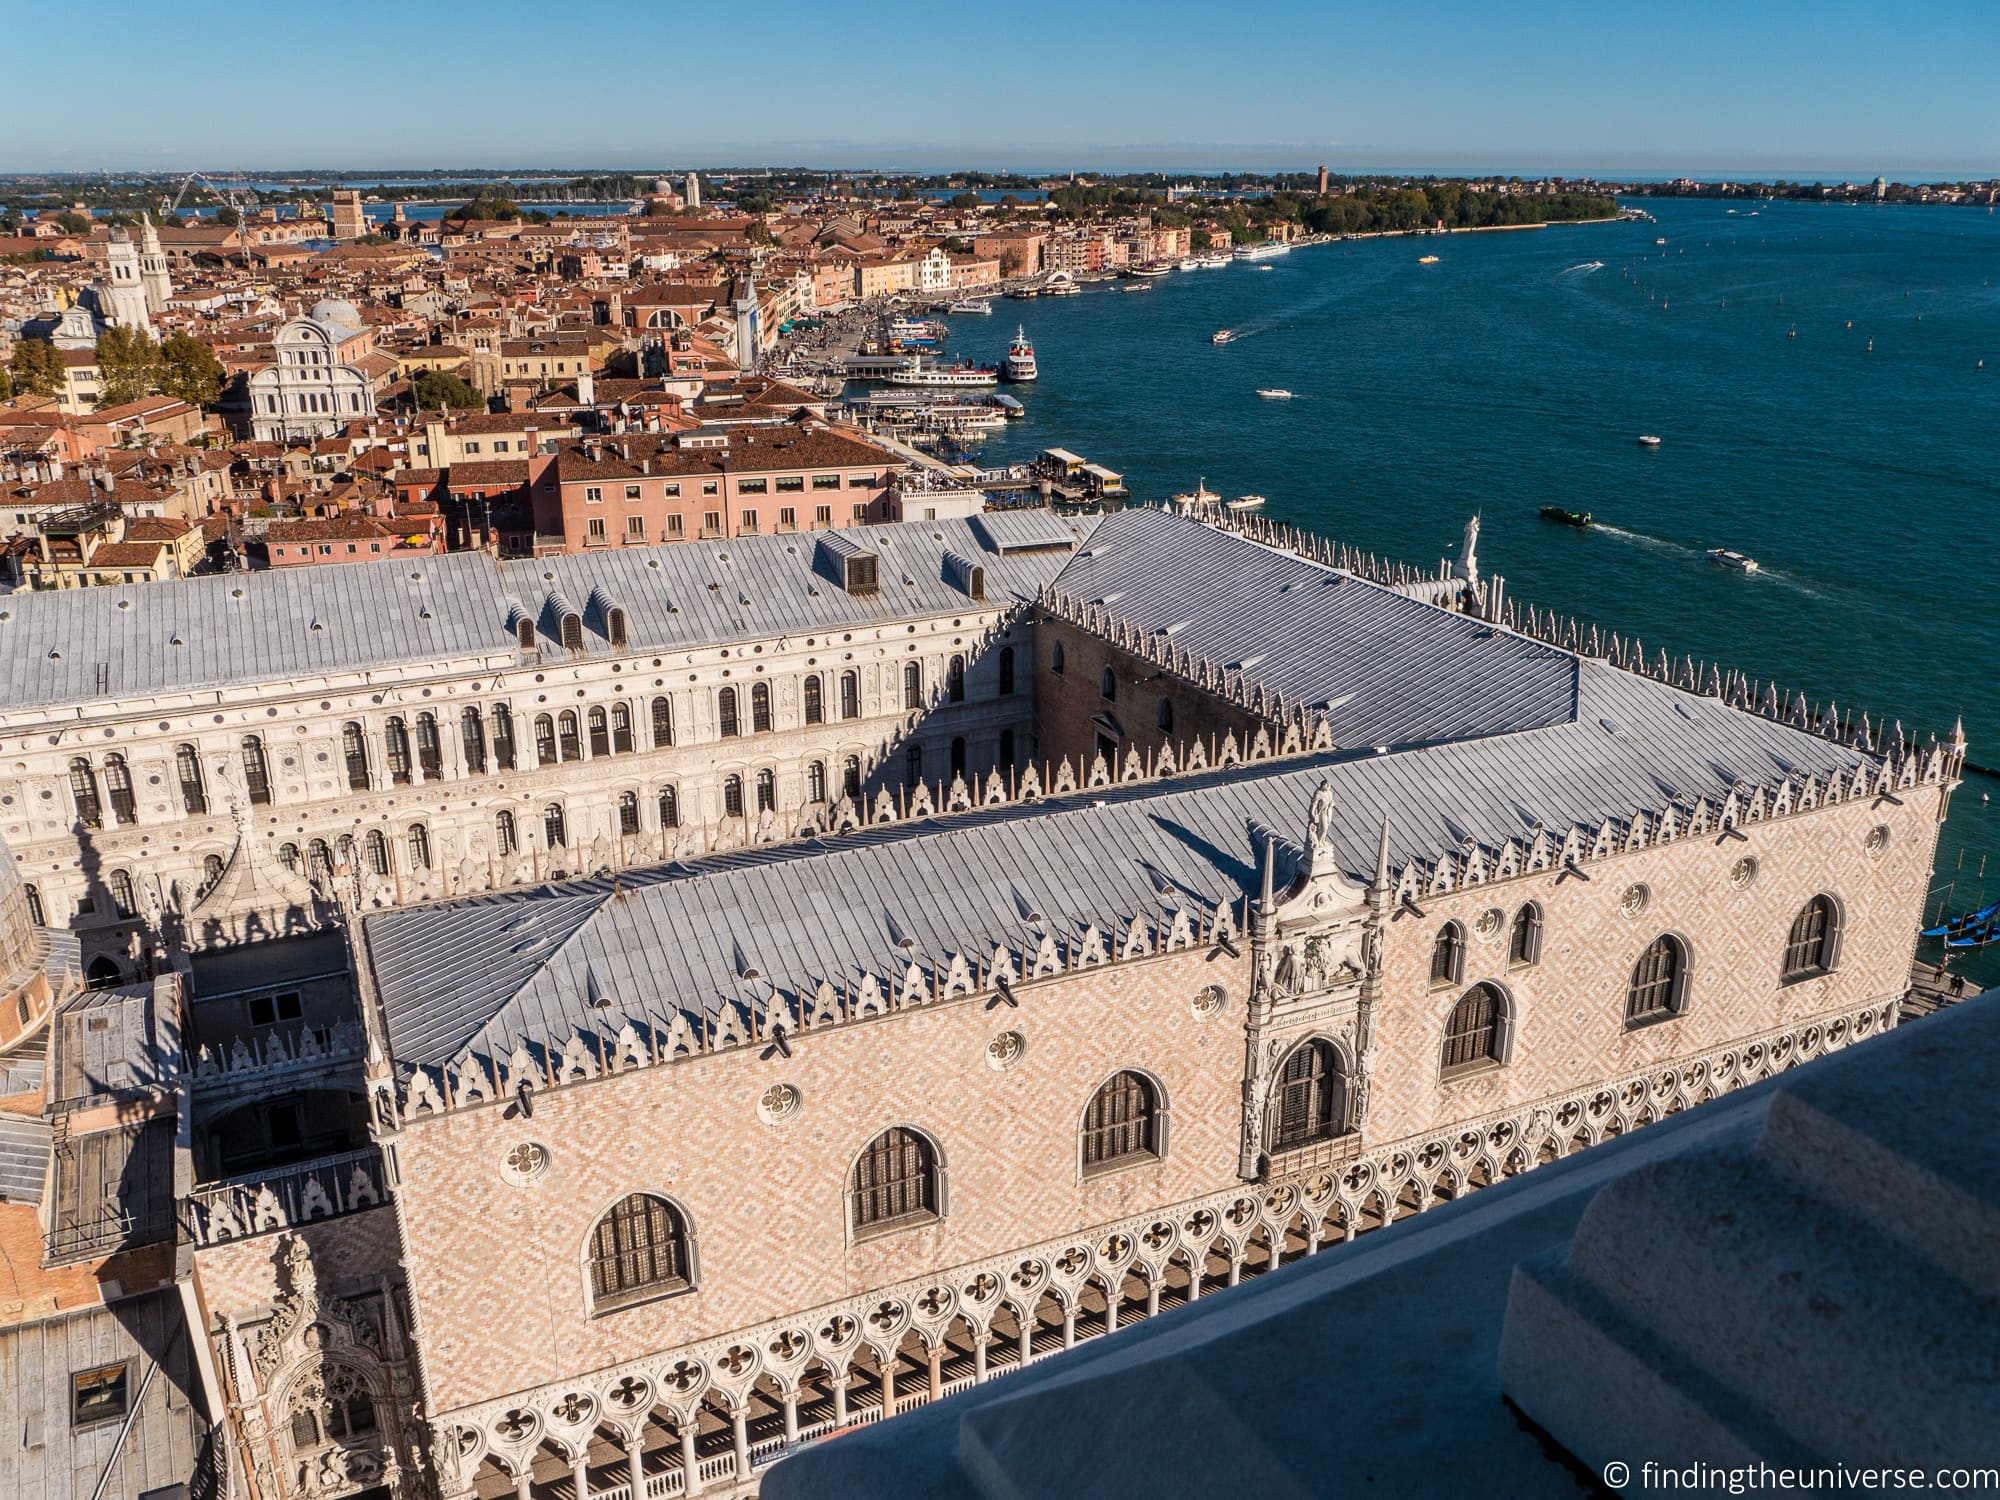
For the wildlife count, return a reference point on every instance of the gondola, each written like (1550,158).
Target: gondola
(1986,916)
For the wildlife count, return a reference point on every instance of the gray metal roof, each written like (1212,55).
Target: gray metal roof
(485,975)
(79,645)
(1389,669)
(24,1157)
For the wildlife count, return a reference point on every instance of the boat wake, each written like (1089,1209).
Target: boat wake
(1585,268)
(1676,549)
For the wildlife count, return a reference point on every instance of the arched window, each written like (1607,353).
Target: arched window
(850,695)
(725,713)
(319,859)
(37,914)
(954,680)
(256,771)
(503,737)
(572,632)
(621,729)
(1006,670)
(815,707)
(568,735)
(118,782)
(122,898)
(1056,659)
(1448,955)
(617,630)
(524,633)
(850,776)
(472,739)
(1524,941)
(1107,684)
(555,828)
(1122,1123)
(83,787)
(505,839)
(1311,1102)
(420,847)
(600,732)
(767,791)
(732,796)
(430,750)
(545,739)
(332,1418)
(397,738)
(1473,1033)
(639,1249)
(1659,982)
(378,852)
(1814,941)
(913,684)
(288,856)
(354,748)
(895,1183)
(628,813)
(816,781)
(670,808)
(913,763)
(760,708)
(663,722)
(211,871)
(1164,716)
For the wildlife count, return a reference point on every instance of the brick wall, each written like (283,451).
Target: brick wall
(1066,703)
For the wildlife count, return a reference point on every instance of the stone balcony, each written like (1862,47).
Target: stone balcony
(280,1197)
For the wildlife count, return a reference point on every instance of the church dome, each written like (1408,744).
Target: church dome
(336,310)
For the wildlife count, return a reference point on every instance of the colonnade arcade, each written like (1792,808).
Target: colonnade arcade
(705,1418)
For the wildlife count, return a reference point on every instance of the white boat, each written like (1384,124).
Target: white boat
(1203,501)
(1062,289)
(1274,393)
(1246,502)
(1137,286)
(1724,557)
(1222,335)
(1188,263)
(1216,261)
(971,307)
(1264,251)
(1019,365)
(1150,271)
(1647,440)
(926,372)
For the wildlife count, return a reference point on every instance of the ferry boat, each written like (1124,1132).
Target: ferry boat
(1724,557)
(972,307)
(914,331)
(1274,393)
(1647,440)
(1188,263)
(1019,365)
(1222,335)
(1060,285)
(1264,251)
(928,372)
(1216,261)
(1150,271)
(1024,293)
(1577,518)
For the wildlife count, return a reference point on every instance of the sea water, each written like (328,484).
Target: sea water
(1521,369)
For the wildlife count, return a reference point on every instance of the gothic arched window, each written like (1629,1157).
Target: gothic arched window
(641,1248)
(1814,941)
(1473,1031)
(1107,684)
(1448,955)
(1659,982)
(1056,659)
(1524,941)
(896,1182)
(122,897)
(1122,1122)
(1310,1097)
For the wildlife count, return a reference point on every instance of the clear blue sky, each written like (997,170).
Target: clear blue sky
(1839,87)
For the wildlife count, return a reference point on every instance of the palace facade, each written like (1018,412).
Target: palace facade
(637,1010)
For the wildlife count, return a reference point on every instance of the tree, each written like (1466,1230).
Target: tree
(6,386)
(965,200)
(758,233)
(190,370)
(436,388)
(129,362)
(228,217)
(75,223)
(37,368)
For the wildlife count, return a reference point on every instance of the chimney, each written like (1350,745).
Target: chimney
(586,389)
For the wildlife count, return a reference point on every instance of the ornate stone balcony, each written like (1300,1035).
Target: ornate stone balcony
(265,1202)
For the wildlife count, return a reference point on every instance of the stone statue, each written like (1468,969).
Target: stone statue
(1319,832)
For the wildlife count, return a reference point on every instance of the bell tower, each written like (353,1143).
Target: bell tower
(153,274)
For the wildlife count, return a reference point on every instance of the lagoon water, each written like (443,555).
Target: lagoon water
(1521,369)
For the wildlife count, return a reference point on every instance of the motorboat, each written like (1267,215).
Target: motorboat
(1274,393)
(1245,502)
(1427,260)
(1222,335)
(1019,365)
(1562,517)
(971,307)
(1647,440)
(1724,557)
(1137,286)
